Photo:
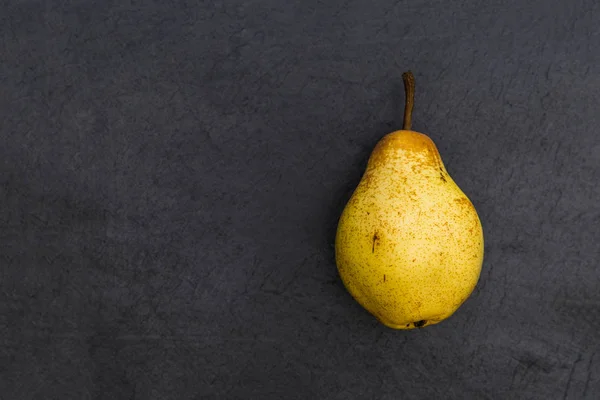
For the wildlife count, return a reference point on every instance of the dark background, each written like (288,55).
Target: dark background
(172,174)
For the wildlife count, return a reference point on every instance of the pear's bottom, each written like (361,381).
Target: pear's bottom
(399,323)
(426,319)
(412,325)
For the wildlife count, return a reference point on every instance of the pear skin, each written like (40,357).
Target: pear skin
(409,243)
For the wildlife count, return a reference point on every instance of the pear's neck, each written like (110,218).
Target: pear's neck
(402,162)
(406,152)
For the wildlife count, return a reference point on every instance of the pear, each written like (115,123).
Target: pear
(409,243)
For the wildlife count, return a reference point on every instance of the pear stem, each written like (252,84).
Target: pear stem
(409,90)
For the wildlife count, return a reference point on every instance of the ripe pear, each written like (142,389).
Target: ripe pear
(409,243)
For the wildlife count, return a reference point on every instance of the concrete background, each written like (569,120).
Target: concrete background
(172,173)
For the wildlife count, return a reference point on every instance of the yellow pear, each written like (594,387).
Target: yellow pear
(409,243)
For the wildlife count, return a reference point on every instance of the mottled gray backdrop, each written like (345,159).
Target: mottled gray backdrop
(172,174)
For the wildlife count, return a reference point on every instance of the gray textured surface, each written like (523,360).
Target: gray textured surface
(172,174)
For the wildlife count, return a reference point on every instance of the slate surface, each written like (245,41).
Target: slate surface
(172,174)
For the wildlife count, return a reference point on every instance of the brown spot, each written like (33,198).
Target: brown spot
(384,277)
(442,176)
(462,201)
(414,259)
(420,323)
(375,238)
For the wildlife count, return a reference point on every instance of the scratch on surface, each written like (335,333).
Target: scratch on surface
(589,373)
(556,152)
(568,386)
(553,207)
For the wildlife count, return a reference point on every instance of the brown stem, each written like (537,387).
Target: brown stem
(409,90)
